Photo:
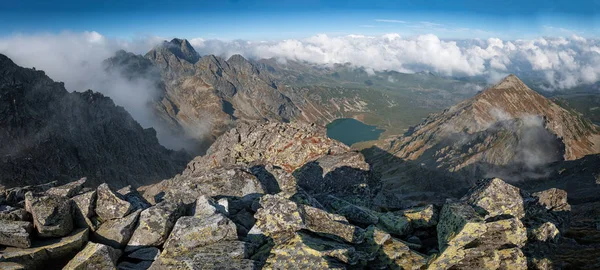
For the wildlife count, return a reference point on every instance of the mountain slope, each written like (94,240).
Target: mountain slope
(50,134)
(495,127)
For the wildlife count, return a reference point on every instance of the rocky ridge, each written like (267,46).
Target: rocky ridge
(50,134)
(278,196)
(502,126)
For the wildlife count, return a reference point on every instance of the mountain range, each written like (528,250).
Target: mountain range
(504,179)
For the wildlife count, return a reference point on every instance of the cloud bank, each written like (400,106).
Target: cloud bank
(560,62)
(76,59)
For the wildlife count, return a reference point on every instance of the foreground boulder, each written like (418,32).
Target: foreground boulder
(117,232)
(84,206)
(190,233)
(495,197)
(15,233)
(95,256)
(111,205)
(155,224)
(51,214)
(48,253)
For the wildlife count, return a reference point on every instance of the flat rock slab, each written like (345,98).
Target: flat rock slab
(68,190)
(190,233)
(16,233)
(44,253)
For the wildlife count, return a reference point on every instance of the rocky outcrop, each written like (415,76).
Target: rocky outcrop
(51,134)
(505,125)
(249,209)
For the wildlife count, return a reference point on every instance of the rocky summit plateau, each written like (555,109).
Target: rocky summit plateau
(84,186)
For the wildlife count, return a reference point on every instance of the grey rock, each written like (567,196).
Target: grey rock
(111,205)
(394,223)
(496,197)
(190,233)
(83,209)
(278,218)
(8,212)
(155,224)
(117,232)
(16,233)
(67,190)
(95,256)
(51,214)
(204,207)
(46,251)
(320,221)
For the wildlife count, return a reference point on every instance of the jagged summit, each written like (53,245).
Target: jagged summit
(474,130)
(50,134)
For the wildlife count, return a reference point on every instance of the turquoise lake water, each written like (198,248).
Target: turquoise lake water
(350,131)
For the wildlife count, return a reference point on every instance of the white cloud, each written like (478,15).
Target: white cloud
(563,62)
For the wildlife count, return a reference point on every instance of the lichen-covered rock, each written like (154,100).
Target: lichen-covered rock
(421,217)
(67,190)
(278,218)
(394,223)
(396,254)
(111,205)
(51,214)
(95,256)
(495,197)
(15,233)
(8,212)
(231,181)
(467,241)
(546,231)
(204,207)
(553,199)
(320,221)
(46,252)
(190,233)
(307,252)
(220,255)
(83,209)
(155,224)
(117,232)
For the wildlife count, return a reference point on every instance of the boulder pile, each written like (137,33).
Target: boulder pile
(247,206)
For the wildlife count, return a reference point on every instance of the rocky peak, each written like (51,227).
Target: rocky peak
(479,130)
(182,49)
(51,134)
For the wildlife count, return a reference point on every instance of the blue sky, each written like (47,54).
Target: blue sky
(281,19)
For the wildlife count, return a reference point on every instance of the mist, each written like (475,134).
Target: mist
(77,60)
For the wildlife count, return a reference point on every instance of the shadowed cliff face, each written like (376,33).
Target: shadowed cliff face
(50,134)
(507,124)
